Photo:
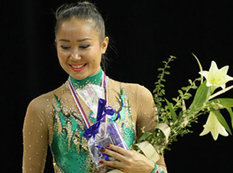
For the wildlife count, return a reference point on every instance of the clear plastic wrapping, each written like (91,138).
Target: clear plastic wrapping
(108,134)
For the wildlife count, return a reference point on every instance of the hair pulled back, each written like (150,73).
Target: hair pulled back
(80,10)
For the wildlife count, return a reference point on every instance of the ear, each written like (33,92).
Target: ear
(104,44)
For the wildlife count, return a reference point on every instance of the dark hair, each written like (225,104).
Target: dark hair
(82,10)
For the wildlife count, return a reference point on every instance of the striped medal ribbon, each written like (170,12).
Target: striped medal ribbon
(79,105)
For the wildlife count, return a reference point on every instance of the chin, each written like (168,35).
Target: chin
(79,76)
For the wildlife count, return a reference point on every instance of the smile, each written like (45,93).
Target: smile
(77,67)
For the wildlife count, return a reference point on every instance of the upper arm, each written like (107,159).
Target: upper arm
(146,114)
(35,139)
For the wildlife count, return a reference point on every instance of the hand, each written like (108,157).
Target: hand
(128,161)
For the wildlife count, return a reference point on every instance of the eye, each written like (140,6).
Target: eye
(65,47)
(84,46)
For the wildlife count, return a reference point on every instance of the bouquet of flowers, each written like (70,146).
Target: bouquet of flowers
(175,118)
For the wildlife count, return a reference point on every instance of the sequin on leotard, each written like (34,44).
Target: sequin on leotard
(69,148)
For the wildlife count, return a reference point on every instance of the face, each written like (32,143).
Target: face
(79,47)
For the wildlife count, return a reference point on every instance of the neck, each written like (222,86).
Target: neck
(94,79)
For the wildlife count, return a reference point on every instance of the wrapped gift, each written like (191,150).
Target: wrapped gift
(102,133)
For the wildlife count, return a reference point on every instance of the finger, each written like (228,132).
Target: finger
(114,154)
(113,164)
(118,149)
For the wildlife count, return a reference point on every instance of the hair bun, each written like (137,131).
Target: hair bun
(83,10)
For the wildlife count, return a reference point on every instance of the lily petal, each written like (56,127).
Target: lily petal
(223,86)
(224,69)
(203,73)
(214,127)
(216,77)
(228,78)
(213,66)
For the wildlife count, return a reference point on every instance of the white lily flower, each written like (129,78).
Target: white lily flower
(216,77)
(214,127)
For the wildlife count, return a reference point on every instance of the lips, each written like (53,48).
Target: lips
(77,67)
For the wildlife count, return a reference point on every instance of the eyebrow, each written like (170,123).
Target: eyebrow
(84,39)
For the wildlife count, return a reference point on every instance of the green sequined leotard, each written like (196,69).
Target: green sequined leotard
(53,120)
(68,146)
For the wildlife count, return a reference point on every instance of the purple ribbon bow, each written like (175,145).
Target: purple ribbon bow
(102,112)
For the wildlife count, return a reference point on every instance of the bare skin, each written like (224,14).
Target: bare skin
(79,50)
(79,47)
(128,161)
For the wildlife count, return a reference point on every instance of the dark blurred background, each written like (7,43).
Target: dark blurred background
(142,33)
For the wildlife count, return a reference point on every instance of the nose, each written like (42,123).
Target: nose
(75,55)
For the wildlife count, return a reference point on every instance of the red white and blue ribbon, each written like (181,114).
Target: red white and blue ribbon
(79,105)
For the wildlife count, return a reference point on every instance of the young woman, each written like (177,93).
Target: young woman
(55,119)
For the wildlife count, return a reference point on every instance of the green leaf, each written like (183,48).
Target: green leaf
(160,69)
(226,103)
(180,92)
(222,120)
(184,88)
(231,115)
(201,96)
(170,107)
(167,72)
(163,80)
(190,81)
(145,136)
